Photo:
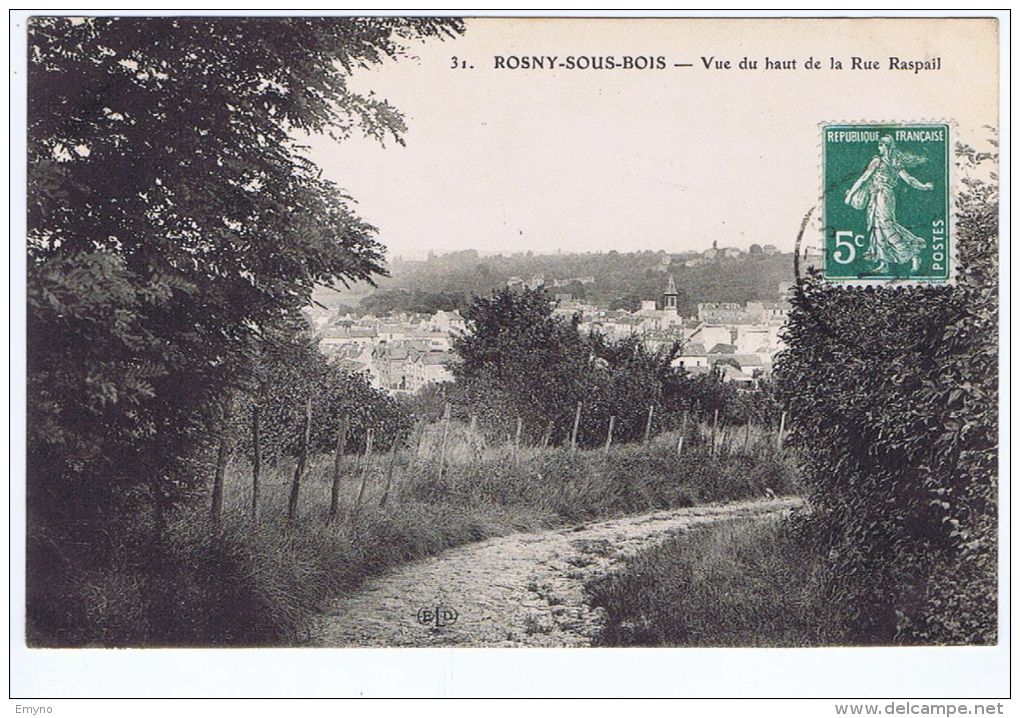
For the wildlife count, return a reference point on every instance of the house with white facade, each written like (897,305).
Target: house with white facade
(447,321)
(428,368)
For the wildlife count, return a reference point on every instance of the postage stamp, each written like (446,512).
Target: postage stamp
(886,208)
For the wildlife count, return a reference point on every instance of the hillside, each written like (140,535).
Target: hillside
(619,279)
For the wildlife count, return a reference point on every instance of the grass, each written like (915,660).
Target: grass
(243,581)
(741,583)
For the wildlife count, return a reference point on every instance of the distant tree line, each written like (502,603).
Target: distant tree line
(622,279)
(415,301)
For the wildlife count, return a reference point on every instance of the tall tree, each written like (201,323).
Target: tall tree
(172,214)
(518,359)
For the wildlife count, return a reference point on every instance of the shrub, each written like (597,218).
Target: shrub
(893,394)
(519,360)
(290,370)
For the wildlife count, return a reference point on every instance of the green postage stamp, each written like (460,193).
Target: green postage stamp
(886,204)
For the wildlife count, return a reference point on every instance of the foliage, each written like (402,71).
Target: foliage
(628,303)
(289,371)
(622,279)
(416,301)
(171,214)
(701,395)
(172,217)
(429,402)
(519,360)
(893,392)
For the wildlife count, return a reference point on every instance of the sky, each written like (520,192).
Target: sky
(536,160)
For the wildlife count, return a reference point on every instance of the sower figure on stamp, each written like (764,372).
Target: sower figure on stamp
(888,241)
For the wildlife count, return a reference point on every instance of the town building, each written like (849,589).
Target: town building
(446,322)
(716,252)
(405,352)
(670,296)
(427,368)
(693,354)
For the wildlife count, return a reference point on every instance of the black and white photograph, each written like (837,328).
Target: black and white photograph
(419,332)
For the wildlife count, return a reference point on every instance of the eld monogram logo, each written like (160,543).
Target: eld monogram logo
(438,616)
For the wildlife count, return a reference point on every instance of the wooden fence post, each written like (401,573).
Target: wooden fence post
(547,437)
(471,438)
(573,433)
(256,463)
(683,424)
(389,470)
(648,423)
(366,464)
(779,437)
(442,440)
(609,435)
(222,454)
(299,470)
(422,422)
(338,456)
(517,440)
(680,445)
(715,428)
(747,434)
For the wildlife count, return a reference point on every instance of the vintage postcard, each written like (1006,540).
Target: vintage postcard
(511,332)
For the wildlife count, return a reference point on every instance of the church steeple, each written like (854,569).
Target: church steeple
(669,297)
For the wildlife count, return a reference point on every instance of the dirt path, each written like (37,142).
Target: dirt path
(519,590)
